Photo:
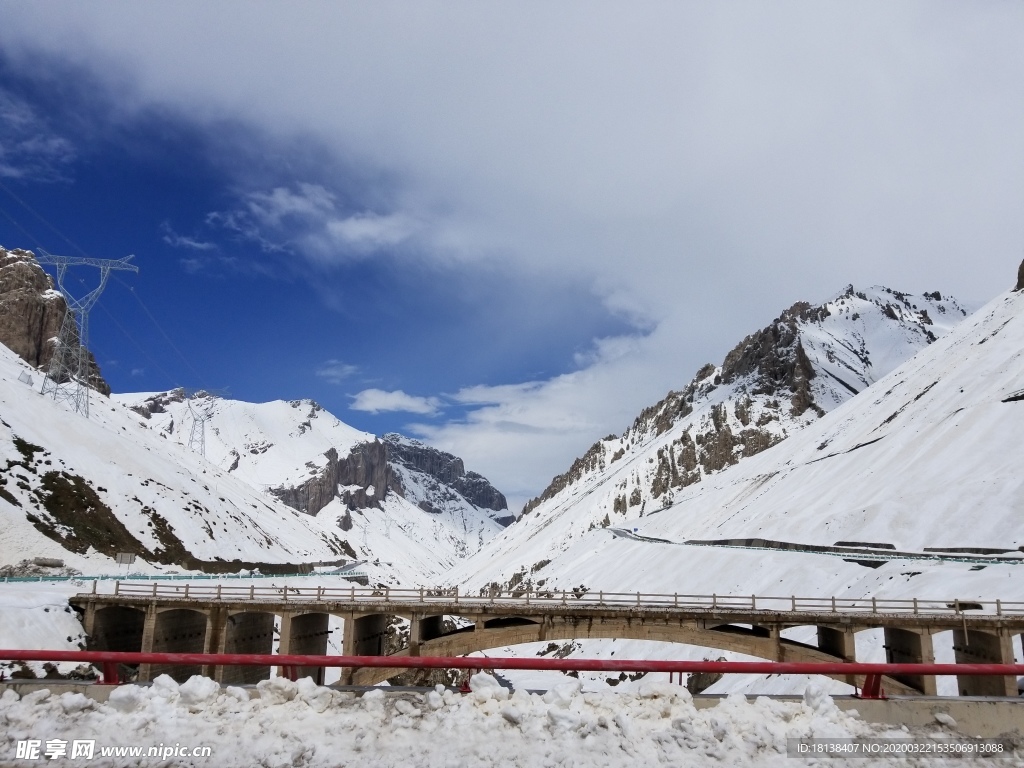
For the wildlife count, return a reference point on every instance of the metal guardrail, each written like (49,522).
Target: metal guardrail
(786,604)
(110,661)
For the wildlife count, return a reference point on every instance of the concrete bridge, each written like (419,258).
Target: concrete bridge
(161,617)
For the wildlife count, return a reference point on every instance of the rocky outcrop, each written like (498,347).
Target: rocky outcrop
(765,388)
(361,479)
(31,313)
(1020,278)
(446,468)
(158,403)
(367,467)
(774,359)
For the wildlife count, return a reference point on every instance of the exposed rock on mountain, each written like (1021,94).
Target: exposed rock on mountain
(1020,278)
(31,313)
(445,468)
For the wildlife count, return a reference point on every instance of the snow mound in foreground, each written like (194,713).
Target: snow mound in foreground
(302,724)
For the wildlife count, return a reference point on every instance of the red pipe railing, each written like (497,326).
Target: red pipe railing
(873,672)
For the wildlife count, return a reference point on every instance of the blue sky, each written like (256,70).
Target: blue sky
(504,228)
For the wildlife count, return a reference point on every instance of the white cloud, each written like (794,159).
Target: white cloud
(29,148)
(370,231)
(176,240)
(336,371)
(306,219)
(378,401)
(519,436)
(310,201)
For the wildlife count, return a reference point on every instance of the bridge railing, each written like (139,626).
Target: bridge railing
(566,598)
(111,661)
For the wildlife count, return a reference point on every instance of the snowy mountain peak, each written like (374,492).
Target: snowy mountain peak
(776,381)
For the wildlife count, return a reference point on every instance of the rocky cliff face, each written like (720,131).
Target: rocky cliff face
(447,469)
(367,474)
(1020,278)
(31,313)
(361,480)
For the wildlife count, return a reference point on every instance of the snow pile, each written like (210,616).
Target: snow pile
(301,724)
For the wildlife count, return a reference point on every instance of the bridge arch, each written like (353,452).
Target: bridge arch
(117,628)
(761,642)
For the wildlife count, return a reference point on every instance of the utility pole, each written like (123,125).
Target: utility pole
(68,375)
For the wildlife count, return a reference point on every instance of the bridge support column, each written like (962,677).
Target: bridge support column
(304,634)
(148,633)
(909,646)
(775,634)
(215,631)
(246,633)
(976,647)
(348,645)
(363,636)
(841,643)
(89,620)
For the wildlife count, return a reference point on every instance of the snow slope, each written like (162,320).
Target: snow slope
(772,385)
(264,444)
(925,459)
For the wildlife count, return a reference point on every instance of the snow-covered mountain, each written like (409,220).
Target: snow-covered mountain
(773,384)
(306,457)
(911,489)
(213,484)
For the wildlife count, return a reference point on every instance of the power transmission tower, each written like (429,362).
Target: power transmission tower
(200,413)
(68,376)
(197,437)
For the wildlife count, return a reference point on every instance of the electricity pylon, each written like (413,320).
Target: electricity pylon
(68,375)
(200,415)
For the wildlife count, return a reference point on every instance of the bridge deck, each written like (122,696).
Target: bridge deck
(752,609)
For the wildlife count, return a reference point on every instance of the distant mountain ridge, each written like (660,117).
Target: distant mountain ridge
(307,458)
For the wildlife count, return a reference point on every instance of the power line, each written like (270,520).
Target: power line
(43,219)
(167,338)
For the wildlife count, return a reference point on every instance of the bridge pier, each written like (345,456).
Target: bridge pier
(174,630)
(363,636)
(245,632)
(305,634)
(974,646)
(841,643)
(911,646)
(423,628)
